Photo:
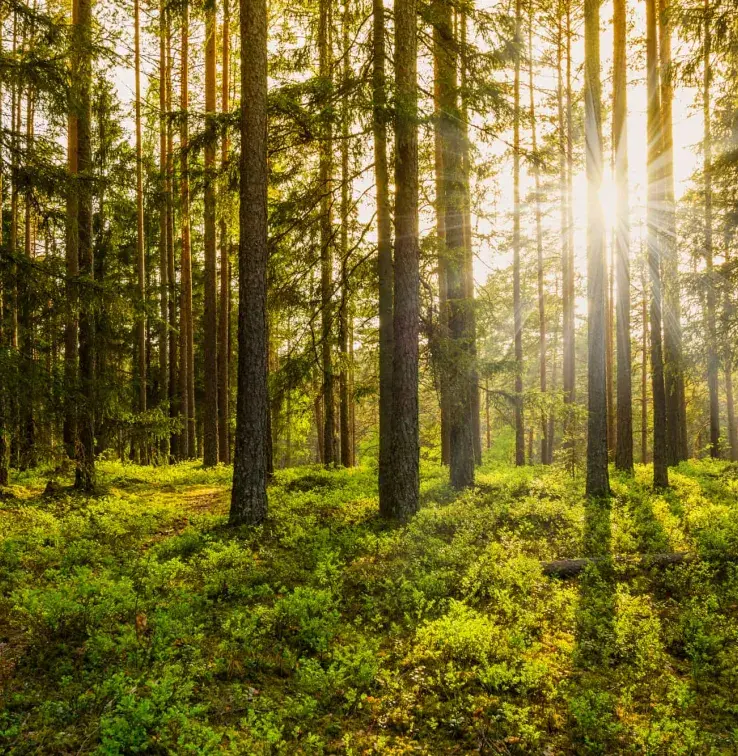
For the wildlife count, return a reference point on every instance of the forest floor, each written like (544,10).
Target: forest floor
(136,621)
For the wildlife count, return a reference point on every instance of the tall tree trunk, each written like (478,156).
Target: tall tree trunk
(325,50)
(676,412)
(85,473)
(460,336)
(476,417)
(187,346)
(713,363)
(545,460)
(404,485)
(384,251)
(598,483)
(654,220)
(517,304)
(14,193)
(210,319)
(624,447)
(644,372)
(568,292)
(163,229)
(224,326)
(175,399)
(4,467)
(72,259)
(730,403)
(249,497)
(442,338)
(344,314)
(140,349)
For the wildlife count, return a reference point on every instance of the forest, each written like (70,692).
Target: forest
(366,377)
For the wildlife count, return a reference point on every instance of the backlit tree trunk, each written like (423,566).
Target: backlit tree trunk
(249,497)
(163,228)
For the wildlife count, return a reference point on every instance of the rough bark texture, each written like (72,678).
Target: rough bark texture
(249,497)
(654,219)
(174,397)
(624,435)
(4,435)
(676,411)
(404,496)
(545,447)
(187,347)
(713,362)
(384,251)
(330,450)
(517,303)
(210,314)
(163,229)
(85,472)
(224,319)
(459,351)
(598,484)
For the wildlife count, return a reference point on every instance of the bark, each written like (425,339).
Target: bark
(713,362)
(71,257)
(676,413)
(4,466)
(384,251)
(85,472)
(517,305)
(730,402)
(598,484)
(644,374)
(326,238)
(344,313)
(654,220)
(442,337)
(404,486)
(140,336)
(637,563)
(249,497)
(224,324)
(187,347)
(210,314)
(164,207)
(624,435)
(545,448)
(466,164)
(460,347)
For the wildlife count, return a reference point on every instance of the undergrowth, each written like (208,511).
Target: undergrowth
(137,622)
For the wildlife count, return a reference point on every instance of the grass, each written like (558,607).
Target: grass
(138,622)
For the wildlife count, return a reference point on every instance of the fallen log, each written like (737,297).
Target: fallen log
(568,568)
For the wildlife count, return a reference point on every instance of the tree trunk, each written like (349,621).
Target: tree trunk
(343,324)
(460,353)
(713,362)
(4,471)
(249,497)
(85,473)
(476,418)
(163,229)
(224,325)
(140,350)
(644,373)
(517,305)
(384,251)
(210,314)
(442,337)
(404,485)
(187,347)
(598,483)
(624,435)
(654,220)
(676,413)
(545,460)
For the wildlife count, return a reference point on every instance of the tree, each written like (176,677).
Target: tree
(624,435)
(404,488)
(385,272)
(517,304)
(249,496)
(210,319)
(598,484)
(654,220)
(164,207)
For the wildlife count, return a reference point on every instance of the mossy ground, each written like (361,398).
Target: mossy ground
(138,622)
